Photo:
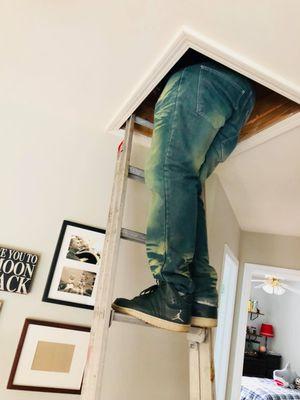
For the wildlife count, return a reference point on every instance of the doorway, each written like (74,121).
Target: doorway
(259,277)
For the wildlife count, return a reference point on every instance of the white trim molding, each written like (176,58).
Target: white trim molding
(187,38)
(227,294)
(249,271)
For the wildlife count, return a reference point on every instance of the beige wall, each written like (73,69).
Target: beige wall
(222,225)
(274,250)
(54,179)
(51,171)
(266,249)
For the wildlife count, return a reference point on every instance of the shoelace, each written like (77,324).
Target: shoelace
(149,290)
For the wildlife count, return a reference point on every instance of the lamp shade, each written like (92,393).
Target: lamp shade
(267,330)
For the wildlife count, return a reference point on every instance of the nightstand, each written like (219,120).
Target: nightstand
(262,365)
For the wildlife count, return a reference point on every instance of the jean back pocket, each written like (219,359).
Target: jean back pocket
(219,94)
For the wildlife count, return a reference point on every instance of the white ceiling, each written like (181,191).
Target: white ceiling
(263,185)
(81,61)
(68,67)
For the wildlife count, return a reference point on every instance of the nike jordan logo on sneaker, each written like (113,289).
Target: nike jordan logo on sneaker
(177,316)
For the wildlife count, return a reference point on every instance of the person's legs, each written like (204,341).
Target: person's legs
(191,110)
(181,138)
(179,145)
(204,312)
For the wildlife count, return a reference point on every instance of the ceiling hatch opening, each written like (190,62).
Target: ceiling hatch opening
(270,107)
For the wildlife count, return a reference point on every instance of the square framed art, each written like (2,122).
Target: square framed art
(74,272)
(50,357)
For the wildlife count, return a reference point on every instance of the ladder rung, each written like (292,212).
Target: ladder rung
(133,235)
(194,335)
(136,173)
(143,122)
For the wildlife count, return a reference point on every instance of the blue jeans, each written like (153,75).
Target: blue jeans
(197,121)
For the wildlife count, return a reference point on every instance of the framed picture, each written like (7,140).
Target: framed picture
(17,269)
(50,357)
(74,272)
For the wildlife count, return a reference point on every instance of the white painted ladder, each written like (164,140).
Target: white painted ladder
(200,340)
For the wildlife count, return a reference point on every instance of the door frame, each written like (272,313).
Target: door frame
(226,308)
(249,270)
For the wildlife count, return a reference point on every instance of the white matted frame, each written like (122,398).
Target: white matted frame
(249,271)
(227,294)
(27,376)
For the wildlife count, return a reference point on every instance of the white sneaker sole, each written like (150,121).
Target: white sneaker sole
(201,322)
(149,319)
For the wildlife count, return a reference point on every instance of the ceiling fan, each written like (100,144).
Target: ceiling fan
(274,285)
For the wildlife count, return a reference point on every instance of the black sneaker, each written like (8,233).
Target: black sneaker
(204,316)
(160,305)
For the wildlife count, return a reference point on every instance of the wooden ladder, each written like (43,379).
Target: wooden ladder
(200,340)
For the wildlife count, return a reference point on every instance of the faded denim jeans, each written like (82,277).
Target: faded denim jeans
(197,121)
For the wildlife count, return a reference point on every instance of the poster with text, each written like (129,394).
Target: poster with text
(16,270)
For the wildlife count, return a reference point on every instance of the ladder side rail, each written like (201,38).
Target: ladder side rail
(195,337)
(91,387)
(207,347)
(201,367)
(206,370)
(194,367)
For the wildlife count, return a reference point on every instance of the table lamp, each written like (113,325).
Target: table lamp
(267,330)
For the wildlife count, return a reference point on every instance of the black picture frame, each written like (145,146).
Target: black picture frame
(46,295)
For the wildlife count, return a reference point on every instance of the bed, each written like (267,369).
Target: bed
(265,389)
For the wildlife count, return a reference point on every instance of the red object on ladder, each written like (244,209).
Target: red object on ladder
(120,146)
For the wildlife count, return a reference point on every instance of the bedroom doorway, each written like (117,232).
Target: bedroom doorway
(267,332)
